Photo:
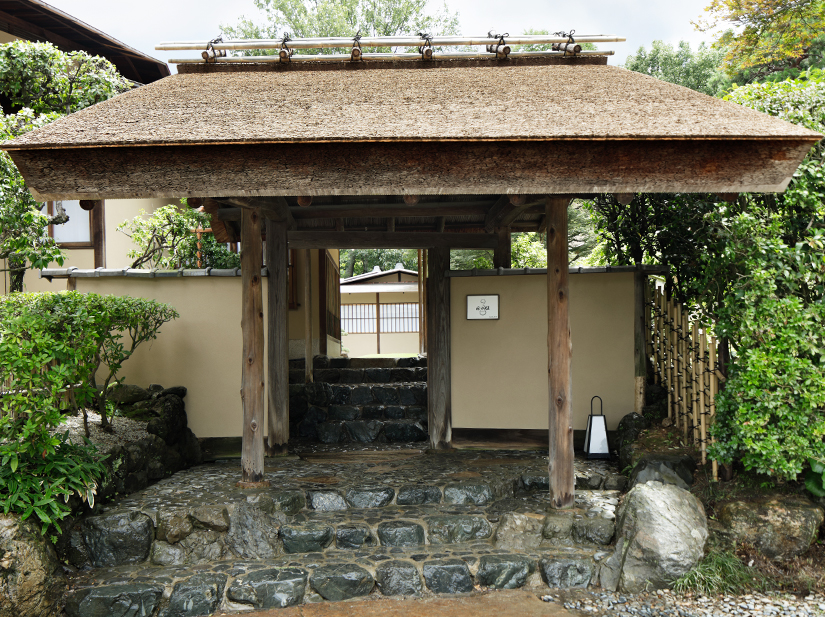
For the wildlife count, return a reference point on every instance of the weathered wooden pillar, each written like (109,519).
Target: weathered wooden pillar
(502,256)
(421,345)
(639,340)
(252,325)
(277,264)
(559,349)
(308,315)
(439,411)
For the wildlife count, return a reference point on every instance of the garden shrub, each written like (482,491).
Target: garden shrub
(51,346)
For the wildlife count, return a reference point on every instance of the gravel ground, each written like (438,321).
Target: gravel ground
(669,603)
(124,430)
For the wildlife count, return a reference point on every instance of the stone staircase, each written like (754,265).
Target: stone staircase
(359,400)
(335,527)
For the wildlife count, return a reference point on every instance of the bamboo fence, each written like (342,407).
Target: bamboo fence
(684,358)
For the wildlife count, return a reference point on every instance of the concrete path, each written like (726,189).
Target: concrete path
(515,603)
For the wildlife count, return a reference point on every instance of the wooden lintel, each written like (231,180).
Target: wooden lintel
(472,208)
(272,207)
(515,211)
(391,224)
(379,240)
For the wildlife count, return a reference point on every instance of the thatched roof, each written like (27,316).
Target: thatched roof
(470,103)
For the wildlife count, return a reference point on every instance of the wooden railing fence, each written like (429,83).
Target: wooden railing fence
(685,363)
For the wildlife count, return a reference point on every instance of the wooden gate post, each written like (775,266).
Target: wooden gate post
(252,326)
(277,264)
(562,474)
(439,410)
(502,255)
(639,340)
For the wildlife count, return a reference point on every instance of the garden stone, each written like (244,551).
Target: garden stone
(416,412)
(165,554)
(341,395)
(173,527)
(135,458)
(252,533)
(615,482)
(155,388)
(386,395)
(452,529)
(377,375)
(369,496)
(343,412)
(414,495)
(318,394)
(170,422)
(189,448)
(532,482)
(199,595)
(215,518)
(128,600)
(629,429)
(504,571)
(289,502)
(353,536)
(664,468)
(595,530)
(341,582)
(330,432)
(179,391)
(204,546)
(557,527)
(447,576)
(468,493)
(404,431)
(328,375)
(661,532)
(128,394)
(394,412)
(519,532)
(564,573)
(372,412)
(30,573)
(307,538)
(400,533)
(308,428)
(339,362)
(326,501)
(364,431)
(403,374)
(398,578)
(360,395)
(118,538)
(319,362)
(270,588)
(350,375)
(780,527)
(421,373)
(136,481)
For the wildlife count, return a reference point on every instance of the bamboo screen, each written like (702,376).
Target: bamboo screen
(391,318)
(685,364)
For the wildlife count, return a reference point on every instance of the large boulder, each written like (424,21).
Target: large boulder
(661,531)
(674,469)
(118,538)
(128,394)
(170,423)
(30,574)
(628,431)
(780,527)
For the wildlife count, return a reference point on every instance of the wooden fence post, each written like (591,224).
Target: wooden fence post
(252,326)
(560,353)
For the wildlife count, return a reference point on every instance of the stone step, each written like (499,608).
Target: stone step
(360,375)
(289,580)
(323,362)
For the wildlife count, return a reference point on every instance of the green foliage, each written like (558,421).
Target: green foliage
(361,261)
(47,348)
(167,240)
(815,478)
(698,70)
(42,83)
(335,18)
(719,573)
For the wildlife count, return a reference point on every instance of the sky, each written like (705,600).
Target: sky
(144,24)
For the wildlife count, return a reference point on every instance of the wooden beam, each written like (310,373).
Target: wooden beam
(502,256)
(277,264)
(495,212)
(559,357)
(391,224)
(441,224)
(382,210)
(308,316)
(639,342)
(542,226)
(453,168)
(439,395)
(513,213)
(98,223)
(274,207)
(252,326)
(382,239)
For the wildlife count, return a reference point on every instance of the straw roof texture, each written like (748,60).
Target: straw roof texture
(467,103)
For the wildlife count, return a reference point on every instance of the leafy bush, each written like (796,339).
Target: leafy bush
(46,349)
(166,240)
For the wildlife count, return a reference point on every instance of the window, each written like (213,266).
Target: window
(83,230)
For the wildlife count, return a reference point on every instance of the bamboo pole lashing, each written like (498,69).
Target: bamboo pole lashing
(694,382)
(714,389)
(703,350)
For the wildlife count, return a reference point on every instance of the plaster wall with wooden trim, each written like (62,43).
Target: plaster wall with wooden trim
(499,367)
(403,343)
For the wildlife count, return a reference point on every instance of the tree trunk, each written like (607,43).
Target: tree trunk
(350,265)
(17,268)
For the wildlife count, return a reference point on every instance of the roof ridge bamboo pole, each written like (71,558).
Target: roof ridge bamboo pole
(456,55)
(379,41)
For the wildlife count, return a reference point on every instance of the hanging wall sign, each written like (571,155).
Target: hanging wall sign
(482,307)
